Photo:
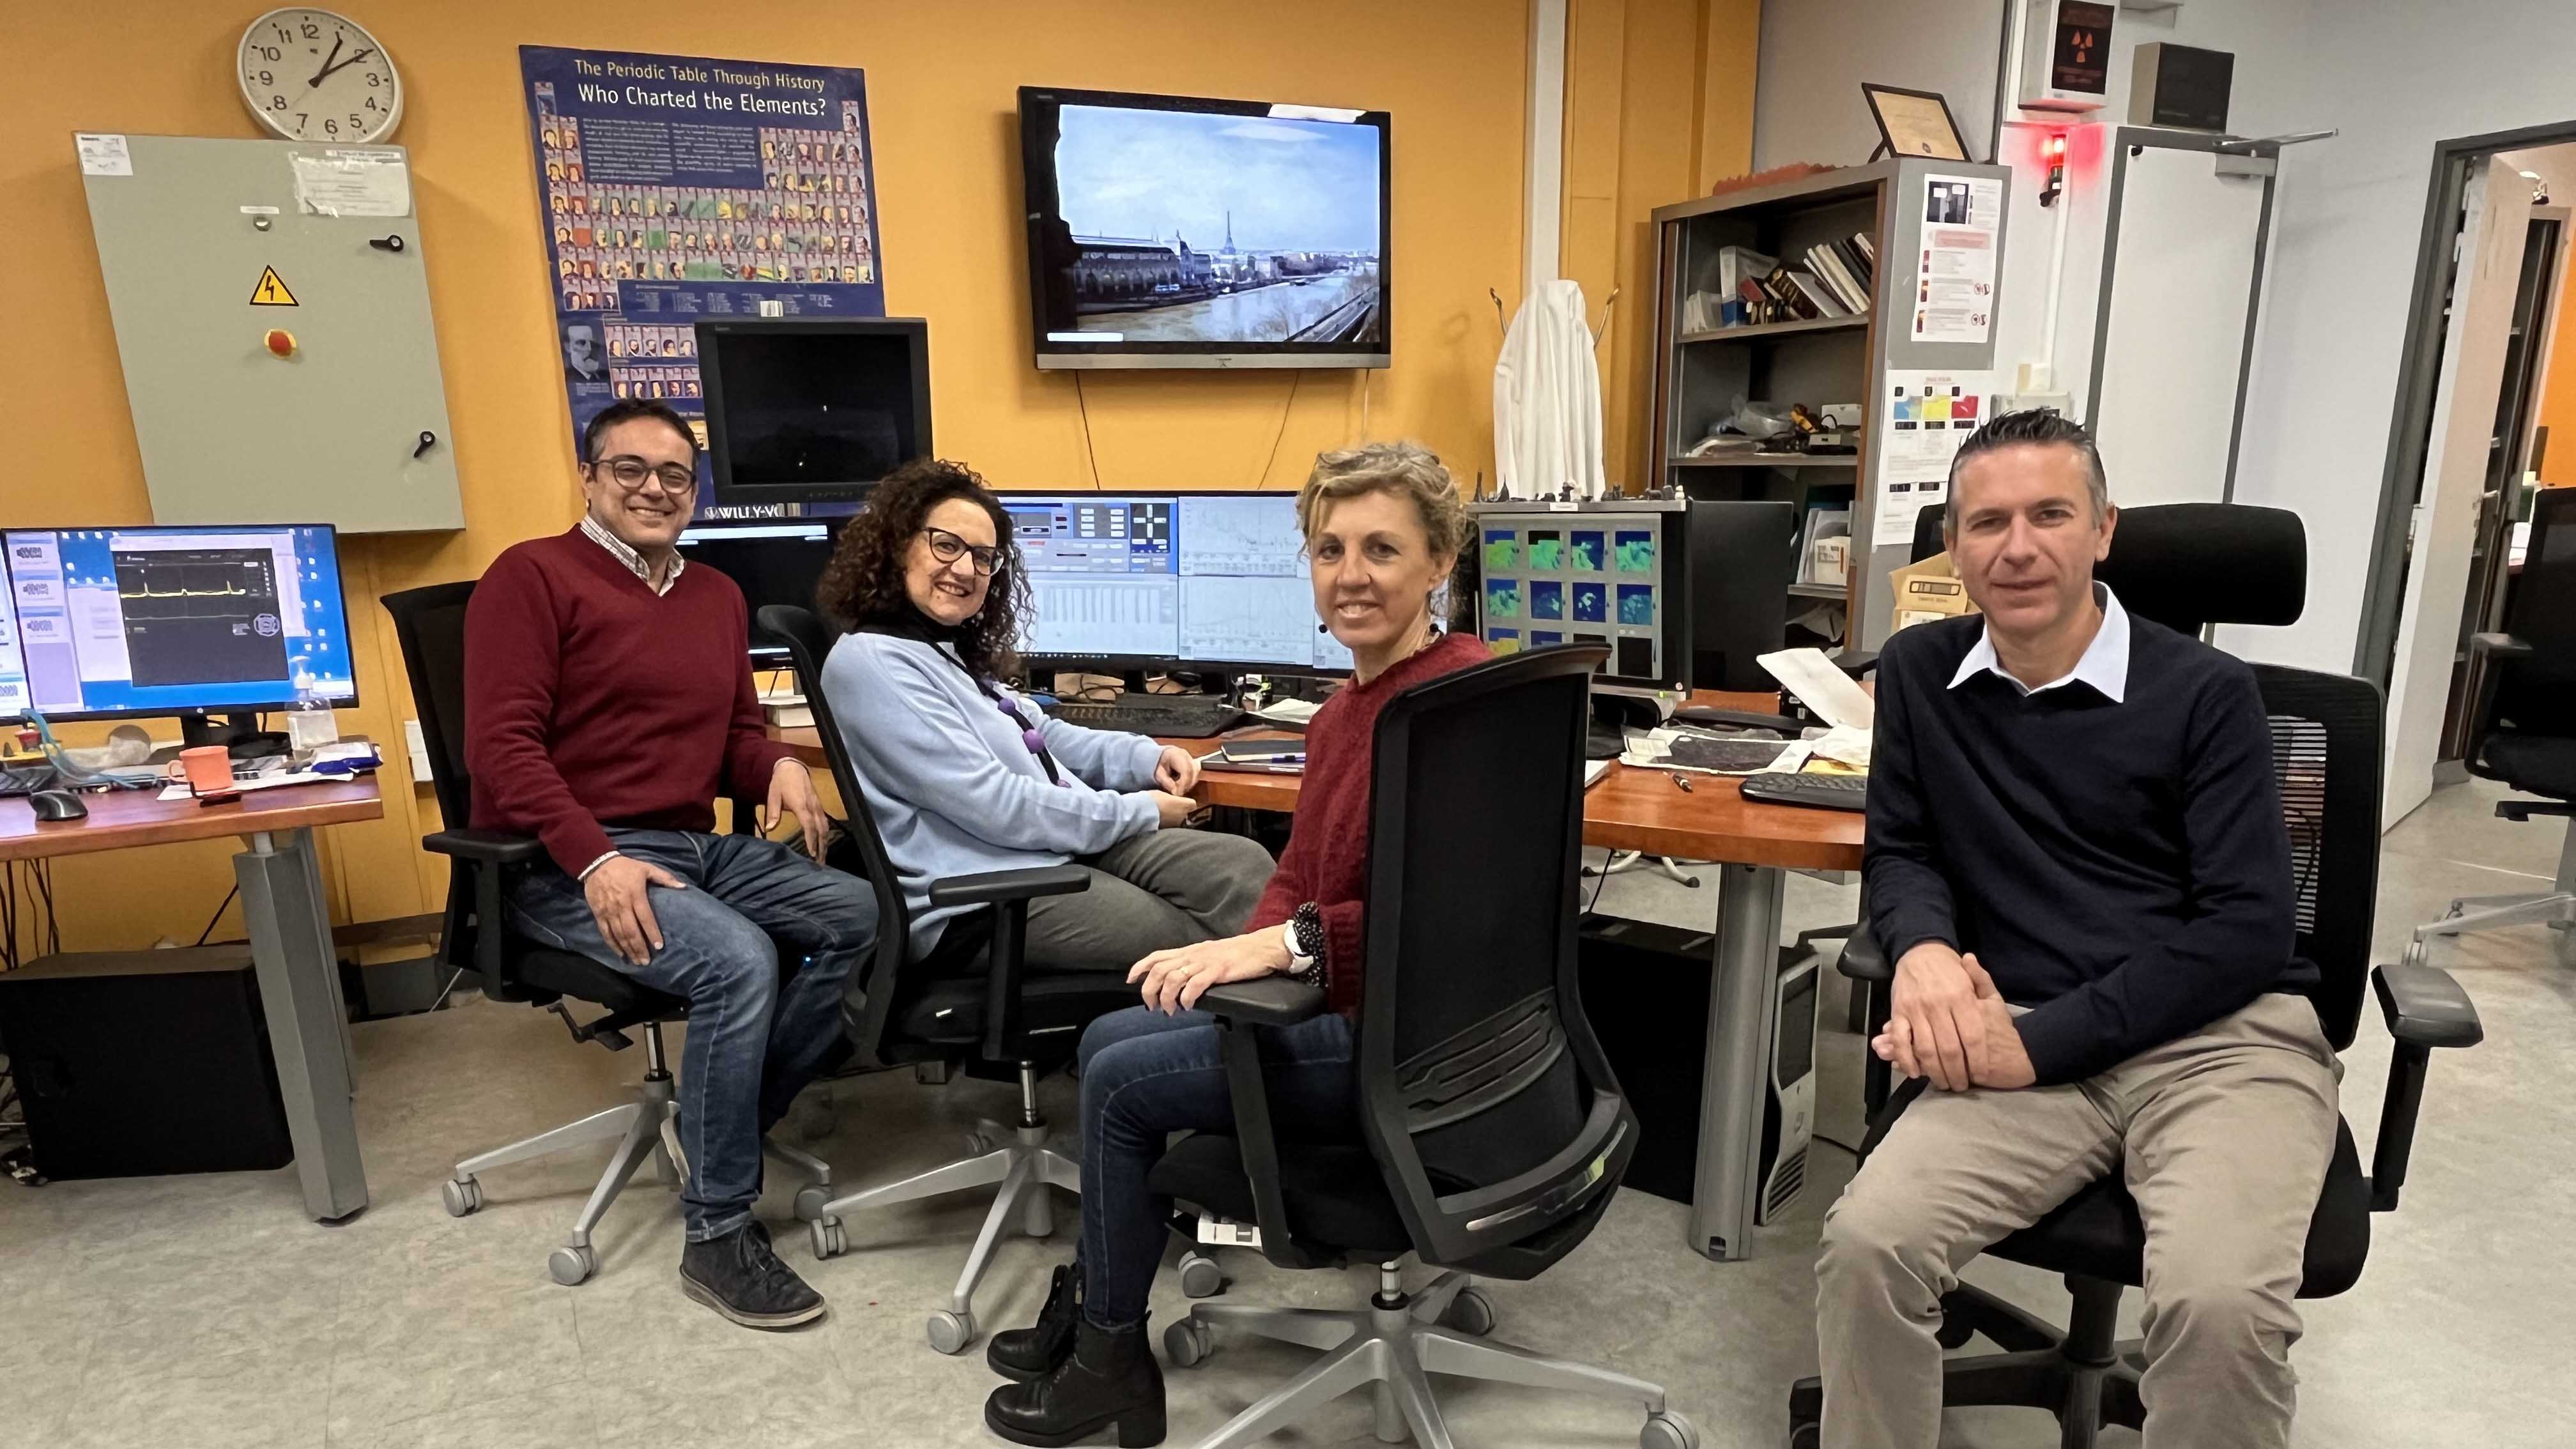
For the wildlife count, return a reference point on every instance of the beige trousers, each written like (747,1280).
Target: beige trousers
(2223,1138)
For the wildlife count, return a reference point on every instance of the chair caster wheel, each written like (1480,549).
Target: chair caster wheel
(571,1266)
(1805,1436)
(979,1143)
(826,1238)
(1952,1333)
(1187,1343)
(810,1201)
(1200,1276)
(461,1195)
(2415,953)
(1668,1430)
(1470,1313)
(951,1332)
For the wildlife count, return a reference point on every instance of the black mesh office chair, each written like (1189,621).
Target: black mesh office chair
(1493,1132)
(2522,722)
(429,623)
(973,1002)
(2326,749)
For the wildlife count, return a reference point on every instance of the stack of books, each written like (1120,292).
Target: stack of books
(1753,289)
(1847,268)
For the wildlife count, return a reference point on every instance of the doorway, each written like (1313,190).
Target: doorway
(2473,389)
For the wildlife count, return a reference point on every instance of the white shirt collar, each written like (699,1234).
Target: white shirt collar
(2105,664)
(634,561)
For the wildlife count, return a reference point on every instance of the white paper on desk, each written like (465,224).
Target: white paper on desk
(181,791)
(1843,745)
(1821,685)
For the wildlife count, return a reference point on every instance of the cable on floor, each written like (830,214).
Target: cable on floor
(219,913)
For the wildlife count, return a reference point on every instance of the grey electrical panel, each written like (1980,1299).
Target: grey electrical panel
(210,249)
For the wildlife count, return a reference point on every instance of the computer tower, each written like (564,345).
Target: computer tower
(138,1063)
(1789,1101)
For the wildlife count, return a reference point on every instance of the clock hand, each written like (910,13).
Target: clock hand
(326,62)
(330,71)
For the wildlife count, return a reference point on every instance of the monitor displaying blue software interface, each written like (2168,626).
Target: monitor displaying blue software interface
(180,620)
(1201,578)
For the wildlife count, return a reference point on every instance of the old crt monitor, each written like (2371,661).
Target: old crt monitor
(802,409)
(1611,572)
(107,622)
(1216,580)
(773,561)
(1742,557)
(1180,231)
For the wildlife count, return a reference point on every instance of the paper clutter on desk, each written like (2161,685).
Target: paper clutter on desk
(1820,685)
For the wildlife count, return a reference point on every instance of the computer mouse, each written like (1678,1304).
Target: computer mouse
(57,805)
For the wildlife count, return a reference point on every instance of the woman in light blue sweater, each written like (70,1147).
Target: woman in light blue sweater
(962,774)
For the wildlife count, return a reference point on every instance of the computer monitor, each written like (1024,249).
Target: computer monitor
(1742,557)
(808,408)
(775,561)
(1206,580)
(1611,573)
(106,622)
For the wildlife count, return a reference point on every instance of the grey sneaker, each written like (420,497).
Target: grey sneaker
(740,1276)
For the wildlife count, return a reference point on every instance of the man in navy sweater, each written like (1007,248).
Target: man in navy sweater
(608,702)
(2077,860)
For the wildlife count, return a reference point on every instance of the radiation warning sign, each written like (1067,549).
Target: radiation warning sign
(271,291)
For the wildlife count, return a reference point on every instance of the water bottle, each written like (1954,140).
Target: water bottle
(310,723)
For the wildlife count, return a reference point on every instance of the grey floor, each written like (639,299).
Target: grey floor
(207,1311)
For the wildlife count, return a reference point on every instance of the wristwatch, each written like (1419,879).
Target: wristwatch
(1304,937)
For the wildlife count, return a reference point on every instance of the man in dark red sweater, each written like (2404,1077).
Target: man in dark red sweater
(608,702)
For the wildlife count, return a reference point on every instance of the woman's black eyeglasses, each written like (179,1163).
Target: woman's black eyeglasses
(948,548)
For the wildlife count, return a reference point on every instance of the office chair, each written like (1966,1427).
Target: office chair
(2326,750)
(1493,1133)
(429,623)
(2522,721)
(972,1002)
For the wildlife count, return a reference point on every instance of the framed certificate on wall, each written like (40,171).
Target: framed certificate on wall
(1913,123)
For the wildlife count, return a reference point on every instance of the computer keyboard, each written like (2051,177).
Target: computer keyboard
(1822,792)
(1174,716)
(17,780)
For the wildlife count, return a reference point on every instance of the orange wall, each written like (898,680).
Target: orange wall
(1658,105)
(941,83)
(2558,390)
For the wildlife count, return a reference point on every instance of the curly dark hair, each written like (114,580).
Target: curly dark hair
(864,580)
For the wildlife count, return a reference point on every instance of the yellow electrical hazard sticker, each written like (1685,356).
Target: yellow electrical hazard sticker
(271,291)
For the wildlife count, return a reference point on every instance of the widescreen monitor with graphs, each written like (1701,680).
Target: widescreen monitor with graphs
(170,621)
(1214,579)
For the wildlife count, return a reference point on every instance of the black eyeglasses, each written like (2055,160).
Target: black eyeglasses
(948,548)
(631,471)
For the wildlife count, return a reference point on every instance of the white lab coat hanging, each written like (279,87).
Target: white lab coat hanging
(1547,399)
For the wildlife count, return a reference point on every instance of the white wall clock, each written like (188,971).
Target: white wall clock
(311,75)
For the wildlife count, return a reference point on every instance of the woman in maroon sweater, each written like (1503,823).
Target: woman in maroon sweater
(1383,526)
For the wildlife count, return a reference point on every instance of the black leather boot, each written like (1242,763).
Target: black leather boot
(1023,1354)
(1111,1379)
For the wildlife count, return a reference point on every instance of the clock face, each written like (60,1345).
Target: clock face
(310,75)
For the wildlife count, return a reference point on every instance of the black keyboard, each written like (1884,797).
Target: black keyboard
(17,780)
(1822,792)
(1174,716)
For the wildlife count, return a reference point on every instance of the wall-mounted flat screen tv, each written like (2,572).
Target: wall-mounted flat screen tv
(1178,231)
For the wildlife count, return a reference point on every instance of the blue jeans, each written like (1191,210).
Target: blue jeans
(1145,1076)
(759,1027)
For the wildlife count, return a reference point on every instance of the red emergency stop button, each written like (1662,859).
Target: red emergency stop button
(280,341)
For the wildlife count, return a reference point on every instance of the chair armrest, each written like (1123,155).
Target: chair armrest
(1737,719)
(993,887)
(1263,1001)
(2499,646)
(484,847)
(2425,1009)
(1862,960)
(2425,1006)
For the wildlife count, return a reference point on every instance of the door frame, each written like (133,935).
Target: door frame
(2419,375)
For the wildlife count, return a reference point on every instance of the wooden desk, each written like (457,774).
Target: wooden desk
(290,941)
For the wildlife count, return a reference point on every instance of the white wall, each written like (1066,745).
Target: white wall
(1807,104)
(2395,77)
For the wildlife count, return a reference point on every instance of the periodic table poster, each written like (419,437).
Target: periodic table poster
(681,187)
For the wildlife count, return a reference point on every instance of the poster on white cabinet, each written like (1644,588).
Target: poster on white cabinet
(1954,269)
(1926,416)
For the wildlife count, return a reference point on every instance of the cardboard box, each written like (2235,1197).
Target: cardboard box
(1927,590)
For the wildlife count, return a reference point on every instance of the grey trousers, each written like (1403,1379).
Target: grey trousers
(1148,893)
(2223,1138)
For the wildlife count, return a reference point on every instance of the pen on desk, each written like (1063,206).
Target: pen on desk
(1682,780)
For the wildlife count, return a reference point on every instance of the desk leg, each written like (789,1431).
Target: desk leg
(1730,1094)
(299,988)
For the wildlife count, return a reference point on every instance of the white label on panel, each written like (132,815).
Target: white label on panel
(353,182)
(103,155)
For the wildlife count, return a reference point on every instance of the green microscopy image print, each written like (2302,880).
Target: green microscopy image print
(1636,552)
(1587,552)
(1502,549)
(1547,552)
(1502,599)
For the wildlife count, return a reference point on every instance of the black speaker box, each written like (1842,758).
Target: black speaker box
(1645,991)
(138,1063)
